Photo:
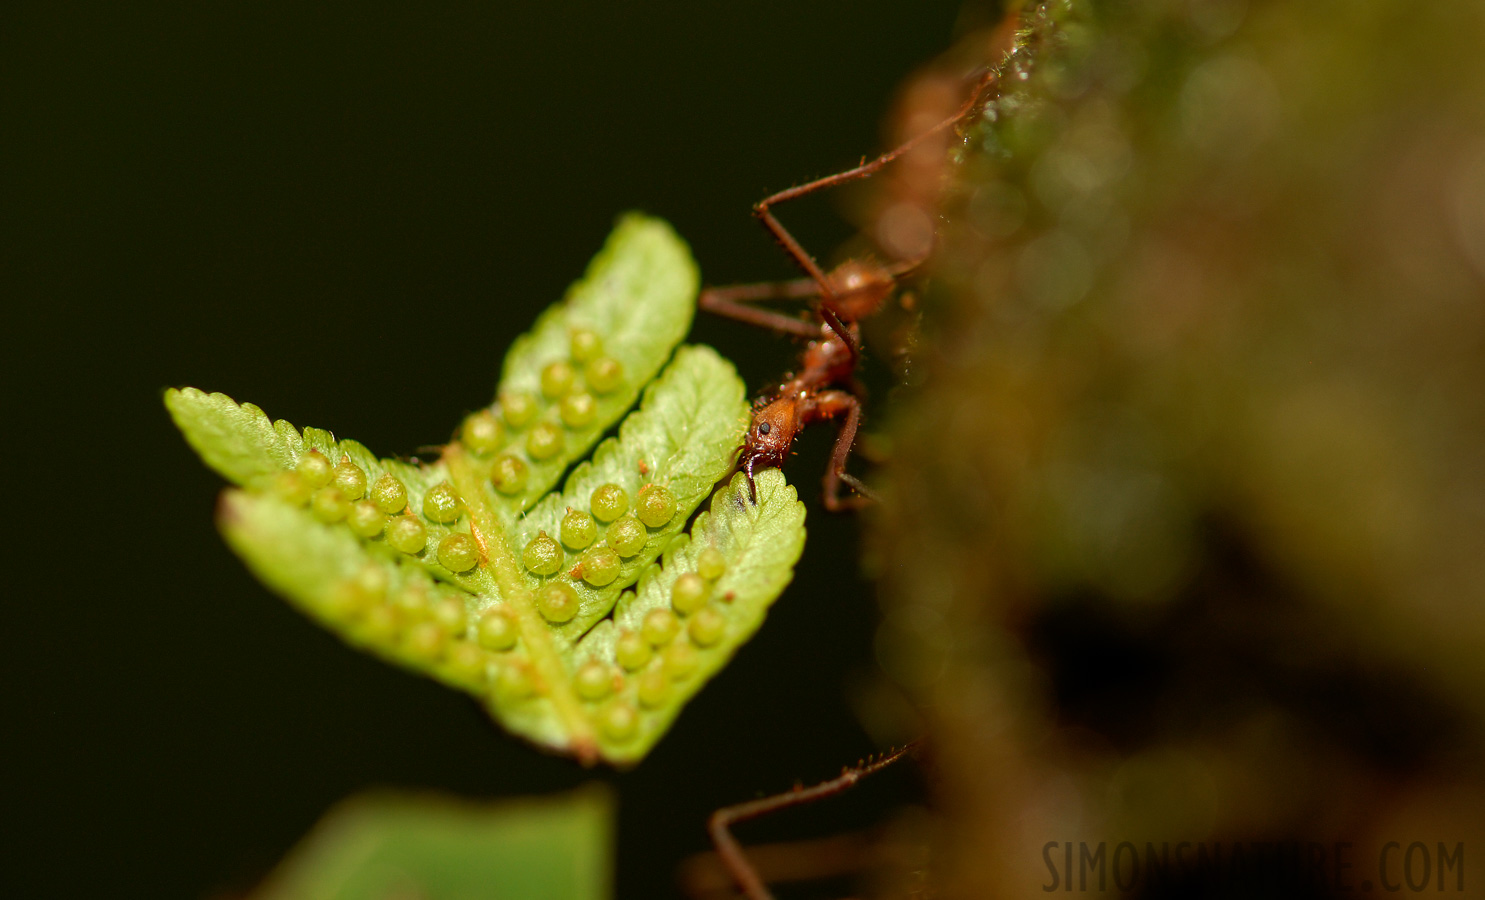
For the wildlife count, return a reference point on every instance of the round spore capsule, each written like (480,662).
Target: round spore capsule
(496,630)
(711,564)
(593,680)
(680,659)
(655,505)
(508,474)
(545,441)
(689,593)
(514,682)
(466,661)
(407,534)
(366,520)
(315,469)
(557,603)
(604,374)
(653,689)
(585,344)
(482,432)
(380,625)
(660,626)
(619,722)
(450,615)
(578,529)
(373,581)
(627,536)
(350,479)
(412,603)
(329,505)
(543,556)
(291,488)
(442,504)
(707,626)
(600,566)
(557,378)
(609,502)
(458,552)
(519,408)
(389,494)
(579,409)
(347,601)
(632,651)
(426,640)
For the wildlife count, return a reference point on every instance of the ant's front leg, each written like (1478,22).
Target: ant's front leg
(828,405)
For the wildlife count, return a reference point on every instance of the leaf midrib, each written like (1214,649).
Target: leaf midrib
(502,573)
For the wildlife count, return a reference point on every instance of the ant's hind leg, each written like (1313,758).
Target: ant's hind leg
(831,404)
(733,302)
(731,852)
(760,292)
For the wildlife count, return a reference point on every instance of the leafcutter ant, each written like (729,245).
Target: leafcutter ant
(852,291)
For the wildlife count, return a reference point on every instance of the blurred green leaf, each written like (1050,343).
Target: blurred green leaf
(383,846)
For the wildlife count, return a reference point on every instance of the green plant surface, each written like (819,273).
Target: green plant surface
(756,546)
(1200,394)
(378,845)
(466,568)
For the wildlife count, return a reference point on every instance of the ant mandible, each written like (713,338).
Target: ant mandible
(847,294)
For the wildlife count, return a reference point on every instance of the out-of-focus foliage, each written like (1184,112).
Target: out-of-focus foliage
(381,846)
(1186,535)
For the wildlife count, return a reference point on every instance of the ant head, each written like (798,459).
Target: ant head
(771,435)
(860,287)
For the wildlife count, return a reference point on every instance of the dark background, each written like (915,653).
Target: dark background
(344,214)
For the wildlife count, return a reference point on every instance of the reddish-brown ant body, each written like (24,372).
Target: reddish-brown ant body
(852,291)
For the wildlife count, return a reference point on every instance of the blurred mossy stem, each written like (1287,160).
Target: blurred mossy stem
(1194,470)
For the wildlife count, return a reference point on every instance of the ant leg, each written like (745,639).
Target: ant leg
(731,302)
(847,337)
(731,852)
(830,404)
(794,289)
(762,209)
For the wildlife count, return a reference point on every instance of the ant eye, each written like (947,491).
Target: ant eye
(765,428)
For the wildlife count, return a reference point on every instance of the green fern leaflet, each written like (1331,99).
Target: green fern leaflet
(476,570)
